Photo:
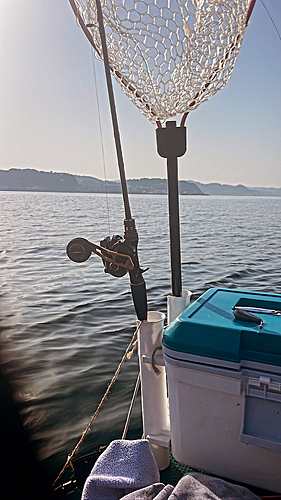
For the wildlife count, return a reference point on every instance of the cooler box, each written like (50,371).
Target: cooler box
(224,381)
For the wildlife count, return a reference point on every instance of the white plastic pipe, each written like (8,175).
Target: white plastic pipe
(176,305)
(155,415)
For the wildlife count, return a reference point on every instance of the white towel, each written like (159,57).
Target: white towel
(148,493)
(197,486)
(194,486)
(123,467)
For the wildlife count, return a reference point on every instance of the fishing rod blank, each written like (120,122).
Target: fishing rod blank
(137,282)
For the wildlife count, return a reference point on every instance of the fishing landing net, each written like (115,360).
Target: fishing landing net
(168,55)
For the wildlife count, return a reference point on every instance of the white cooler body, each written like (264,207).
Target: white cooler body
(226,419)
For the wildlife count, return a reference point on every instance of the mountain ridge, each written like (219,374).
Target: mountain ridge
(16,179)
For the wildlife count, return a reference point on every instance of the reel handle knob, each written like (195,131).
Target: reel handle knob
(79,250)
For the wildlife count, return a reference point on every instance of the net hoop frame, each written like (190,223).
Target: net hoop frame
(198,76)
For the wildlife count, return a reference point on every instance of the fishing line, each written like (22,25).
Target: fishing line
(101,137)
(271,20)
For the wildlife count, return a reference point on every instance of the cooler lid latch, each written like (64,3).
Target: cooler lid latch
(259,387)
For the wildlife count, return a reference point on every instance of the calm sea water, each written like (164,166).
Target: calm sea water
(65,326)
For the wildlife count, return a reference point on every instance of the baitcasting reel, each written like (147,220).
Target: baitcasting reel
(120,247)
(115,253)
(119,256)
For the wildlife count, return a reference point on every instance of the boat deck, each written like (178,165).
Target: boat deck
(83,465)
(176,471)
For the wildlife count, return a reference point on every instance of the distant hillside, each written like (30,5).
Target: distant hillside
(160,186)
(136,186)
(214,188)
(89,184)
(17,179)
(268,191)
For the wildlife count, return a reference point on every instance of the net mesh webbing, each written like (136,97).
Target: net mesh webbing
(169,55)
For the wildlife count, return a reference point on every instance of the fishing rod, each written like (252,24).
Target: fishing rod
(80,249)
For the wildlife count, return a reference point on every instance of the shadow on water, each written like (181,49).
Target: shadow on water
(22,474)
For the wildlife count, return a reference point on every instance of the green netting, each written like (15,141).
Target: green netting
(175,471)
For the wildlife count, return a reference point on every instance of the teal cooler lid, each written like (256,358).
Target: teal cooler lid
(209,328)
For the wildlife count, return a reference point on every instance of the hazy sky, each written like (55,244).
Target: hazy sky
(49,119)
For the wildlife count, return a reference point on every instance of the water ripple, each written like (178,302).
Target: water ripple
(65,326)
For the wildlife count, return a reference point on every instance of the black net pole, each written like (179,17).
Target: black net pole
(174,223)
(171,144)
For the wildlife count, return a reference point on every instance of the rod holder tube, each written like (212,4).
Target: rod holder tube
(176,305)
(154,401)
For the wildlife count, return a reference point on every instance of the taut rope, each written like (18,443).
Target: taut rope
(113,380)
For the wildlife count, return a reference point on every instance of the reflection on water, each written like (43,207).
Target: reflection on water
(66,325)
